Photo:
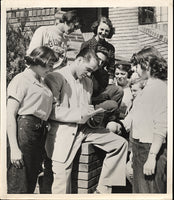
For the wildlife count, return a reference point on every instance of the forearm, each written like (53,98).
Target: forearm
(11,132)
(156,144)
(12,110)
(63,114)
(127,122)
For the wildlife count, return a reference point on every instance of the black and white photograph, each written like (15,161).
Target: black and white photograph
(86,100)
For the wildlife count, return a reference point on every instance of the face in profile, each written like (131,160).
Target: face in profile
(43,71)
(135,88)
(121,77)
(103,31)
(85,68)
(71,27)
(141,72)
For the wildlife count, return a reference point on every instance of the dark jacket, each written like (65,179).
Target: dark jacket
(93,43)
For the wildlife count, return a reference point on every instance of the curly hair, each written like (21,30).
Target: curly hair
(158,68)
(105,20)
(150,57)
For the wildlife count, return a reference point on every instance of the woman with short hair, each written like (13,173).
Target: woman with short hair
(29,104)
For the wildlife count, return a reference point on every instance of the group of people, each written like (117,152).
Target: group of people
(92,99)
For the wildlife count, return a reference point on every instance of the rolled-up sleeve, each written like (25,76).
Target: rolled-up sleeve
(16,89)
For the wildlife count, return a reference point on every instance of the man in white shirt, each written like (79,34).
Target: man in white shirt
(56,36)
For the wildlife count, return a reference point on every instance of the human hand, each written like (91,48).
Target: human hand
(114,127)
(96,120)
(16,158)
(86,113)
(149,166)
(111,81)
(129,171)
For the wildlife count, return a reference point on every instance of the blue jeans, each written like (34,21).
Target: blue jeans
(148,184)
(31,136)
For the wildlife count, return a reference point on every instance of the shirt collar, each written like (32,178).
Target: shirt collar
(30,74)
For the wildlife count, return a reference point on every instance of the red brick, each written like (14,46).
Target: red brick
(47,11)
(30,13)
(88,167)
(39,12)
(87,183)
(88,175)
(87,148)
(48,17)
(52,11)
(43,11)
(86,191)
(88,158)
(51,22)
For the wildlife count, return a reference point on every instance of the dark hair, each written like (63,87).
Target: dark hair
(103,50)
(87,54)
(150,57)
(125,66)
(105,20)
(41,56)
(70,17)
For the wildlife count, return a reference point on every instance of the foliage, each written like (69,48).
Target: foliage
(17,44)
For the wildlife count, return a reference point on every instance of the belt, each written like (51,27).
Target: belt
(36,119)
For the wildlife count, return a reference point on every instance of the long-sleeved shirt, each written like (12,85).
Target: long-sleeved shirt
(148,115)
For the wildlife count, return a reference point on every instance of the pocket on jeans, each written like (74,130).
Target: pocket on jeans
(32,125)
(29,131)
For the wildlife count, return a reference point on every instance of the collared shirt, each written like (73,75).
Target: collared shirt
(35,97)
(148,115)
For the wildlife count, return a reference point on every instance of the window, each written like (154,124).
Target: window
(88,16)
(146,15)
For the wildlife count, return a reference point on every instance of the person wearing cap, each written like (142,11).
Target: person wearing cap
(72,90)
(29,104)
(56,36)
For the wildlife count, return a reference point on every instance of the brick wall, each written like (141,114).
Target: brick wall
(129,37)
(86,170)
(32,18)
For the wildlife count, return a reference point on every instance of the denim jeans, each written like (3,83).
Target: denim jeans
(31,133)
(148,184)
